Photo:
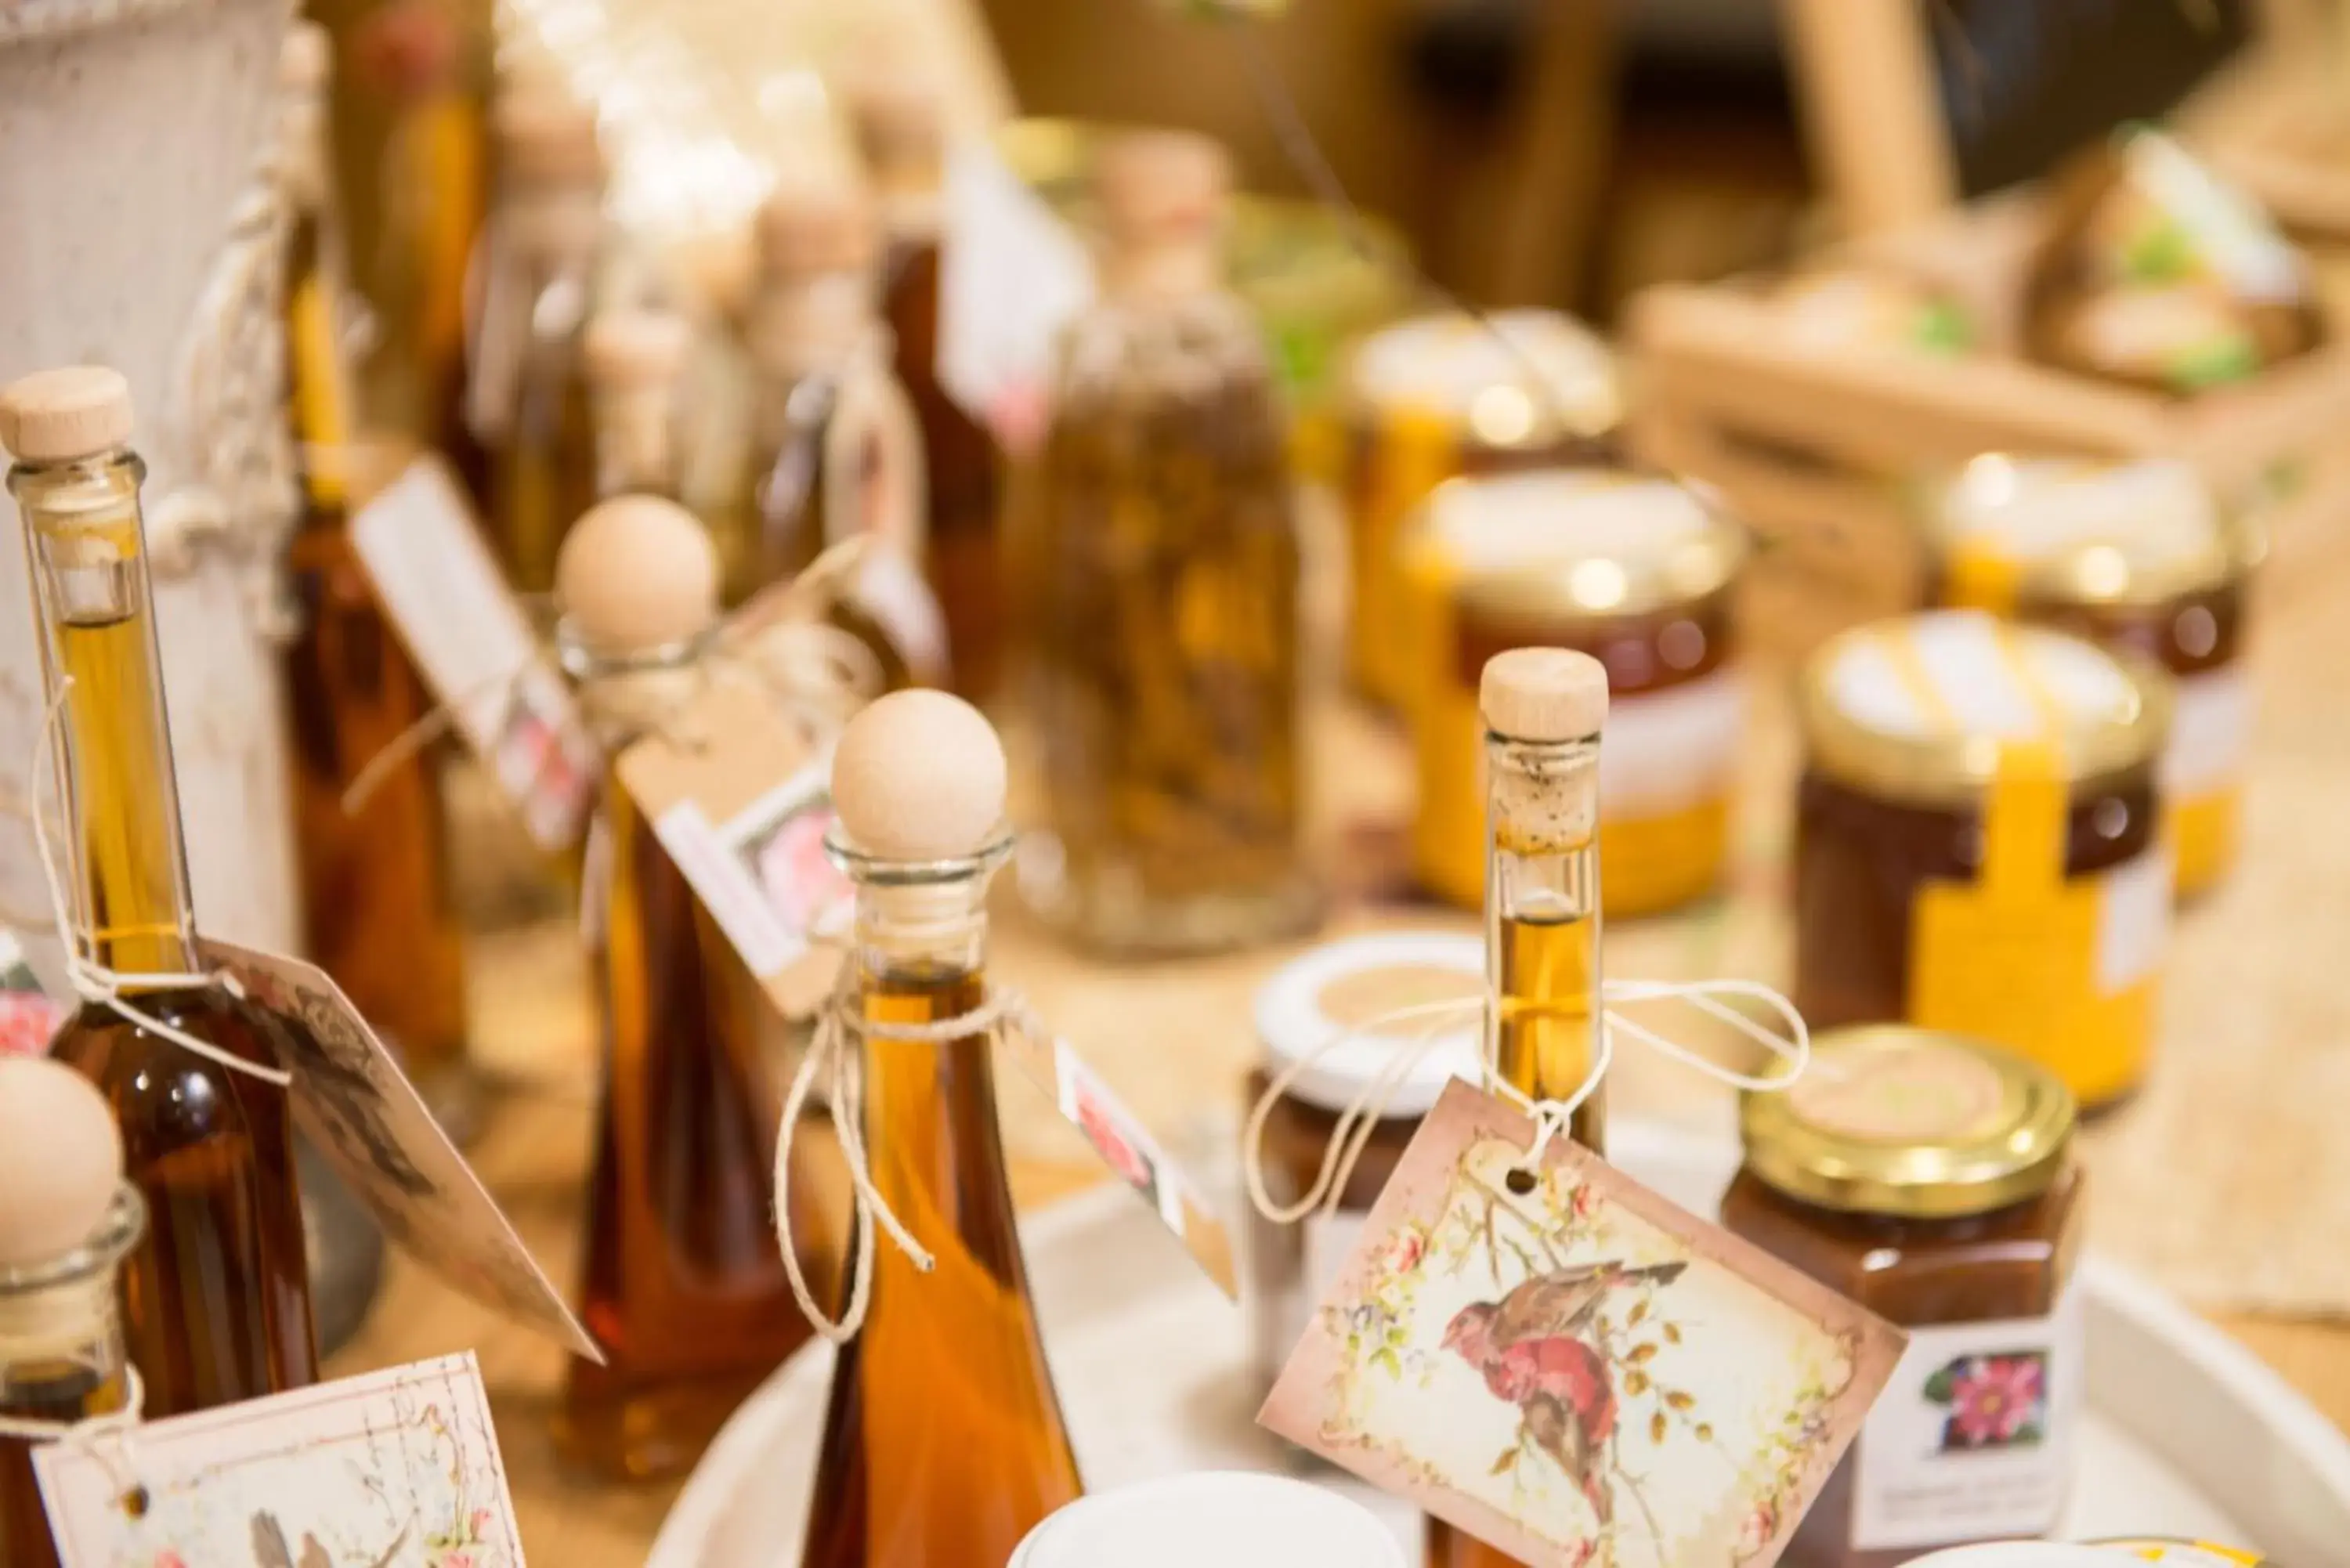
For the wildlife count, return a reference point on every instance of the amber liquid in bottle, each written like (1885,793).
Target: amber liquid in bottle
(216,1299)
(1541,947)
(379,914)
(686,1287)
(944,1443)
(57,1391)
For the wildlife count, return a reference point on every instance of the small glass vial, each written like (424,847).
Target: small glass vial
(1638,573)
(2139,558)
(1307,1004)
(1544,710)
(1234,1519)
(527,397)
(1167,654)
(685,1285)
(67,1222)
(1978,843)
(1438,397)
(899,118)
(1929,1178)
(217,1297)
(944,1443)
(634,361)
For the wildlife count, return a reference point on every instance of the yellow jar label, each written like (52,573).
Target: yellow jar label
(1410,454)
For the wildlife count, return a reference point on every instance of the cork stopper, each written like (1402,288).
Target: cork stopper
(60,1160)
(631,348)
(1157,187)
(637,574)
(895,105)
(544,137)
(919,775)
(63,415)
(306,60)
(1543,694)
(816,220)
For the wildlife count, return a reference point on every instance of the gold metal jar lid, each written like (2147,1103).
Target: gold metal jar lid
(1514,378)
(2141,532)
(1558,545)
(1922,708)
(1914,1123)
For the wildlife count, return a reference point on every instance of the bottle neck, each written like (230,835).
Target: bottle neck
(921,924)
(805,326)
(1542,918)
(623,698)
(61,1354)
(635,447)
(129,877)
(1162,272)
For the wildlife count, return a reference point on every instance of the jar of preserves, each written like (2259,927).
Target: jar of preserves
(1440,396)
(1929,1178)
(1638,573)
(1978,841)
(1234,1518)
(1309,1006)
(2139,557)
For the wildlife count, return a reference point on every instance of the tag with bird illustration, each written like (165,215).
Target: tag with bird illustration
(1563,1363)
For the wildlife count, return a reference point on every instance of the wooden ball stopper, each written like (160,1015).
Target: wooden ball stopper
(633,347)
(1543,694)
(919,775)
(60,1160)
(637,574)
(63,415)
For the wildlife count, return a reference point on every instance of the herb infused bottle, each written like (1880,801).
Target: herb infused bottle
(216,1300)
(944,1443)
(67,1219)
(1167,649)
(685,1285)
(1543,708)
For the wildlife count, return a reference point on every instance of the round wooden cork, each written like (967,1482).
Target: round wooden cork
(60,1160)
(58,416)
(634,347)
(919,775)
(637,574)
(816,220)
(305,60)
(1543,694)
(543,136)
(1154,186)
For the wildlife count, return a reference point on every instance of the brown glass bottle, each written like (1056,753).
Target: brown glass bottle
(944,1443)
(377,910)
(216,1302)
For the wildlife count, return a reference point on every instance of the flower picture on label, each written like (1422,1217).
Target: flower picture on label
(1994,1401)
(801,883)
(1123,1147)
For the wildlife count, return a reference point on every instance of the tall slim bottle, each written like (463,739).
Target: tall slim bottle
(634,362)
(898,123)
(379,912)
(70,1220)
(1543,709)
(944,1443)
(216,1300)
(685,1288)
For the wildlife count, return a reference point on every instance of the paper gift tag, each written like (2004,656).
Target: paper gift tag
(741,802)
(473,643)
(399,1467)
(1565,1364)
(28,1017)
(353,1103)
(1129,1150)
(1013,278)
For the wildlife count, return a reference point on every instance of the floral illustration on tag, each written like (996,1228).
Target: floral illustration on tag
(400,1467)
(1994,1401)
(28,1018)
(1562,1363)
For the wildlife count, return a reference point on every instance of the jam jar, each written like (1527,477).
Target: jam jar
(1977,841)
(1330,1004)
(2140,557)
(1929,1178)
(1638,573)
(1440,396)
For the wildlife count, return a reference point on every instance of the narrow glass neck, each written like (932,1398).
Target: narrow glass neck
(1541,919)
(926,923)
(635,450)
(61,1354)
(128,875)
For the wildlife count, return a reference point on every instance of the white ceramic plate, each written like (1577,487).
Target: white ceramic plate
(2187,1434)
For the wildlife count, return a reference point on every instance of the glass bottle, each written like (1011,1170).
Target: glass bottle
(379,912)
(1167,656)
(834,449)
(944,1443)
(70,1222)
(526,399)
(685,1288)
(1543,708)
(898,117)
(634,360)
(216,1302)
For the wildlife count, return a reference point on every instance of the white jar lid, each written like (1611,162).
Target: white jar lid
(2016,1554)
(1310,1004)
(1231,1519)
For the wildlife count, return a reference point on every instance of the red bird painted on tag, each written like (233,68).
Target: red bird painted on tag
(1533,1349)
